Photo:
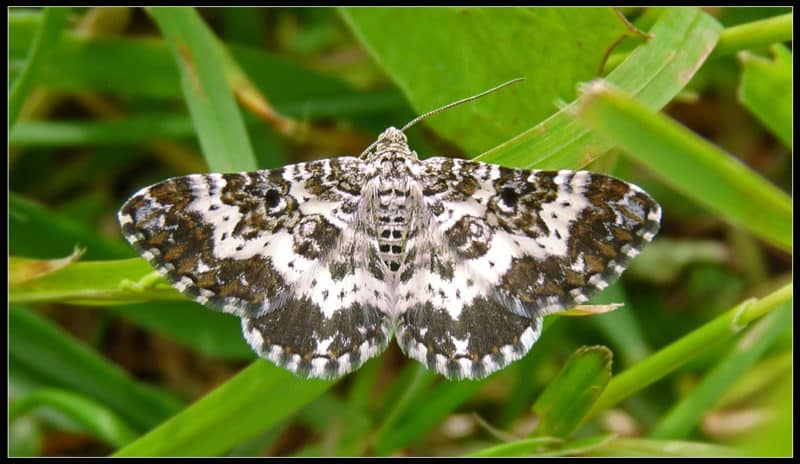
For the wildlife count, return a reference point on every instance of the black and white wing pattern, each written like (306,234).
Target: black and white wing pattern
(496,249)
(278,248)
(325,261)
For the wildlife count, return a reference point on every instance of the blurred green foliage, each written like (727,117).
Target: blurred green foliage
(105,358)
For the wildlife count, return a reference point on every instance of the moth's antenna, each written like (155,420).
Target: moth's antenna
(464,100)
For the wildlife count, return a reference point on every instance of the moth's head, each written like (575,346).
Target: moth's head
(391,142)
(392,136)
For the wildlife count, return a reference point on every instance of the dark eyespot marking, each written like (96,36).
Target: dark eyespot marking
(509,196)
(272,198)
(384,248)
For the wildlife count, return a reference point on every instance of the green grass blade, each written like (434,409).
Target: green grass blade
(38,346)
(427,411)
(161,308)
(766,90)
(135,129)
(94,283)
(548,446)
(623,331)
(654,73)
(754,34)
(631,446)
(145,68)
(216,116)
(679,422)
(53,21)
(713,179)
(36,231)
(95,418)
(570,396)
(666,360)
(257,398)
(192,325)
(526,447)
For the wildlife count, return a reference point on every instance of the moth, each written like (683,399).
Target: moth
(326,261)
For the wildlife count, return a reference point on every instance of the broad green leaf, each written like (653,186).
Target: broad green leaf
(38,346)
(215,114)
(553,48)
(570,396)
(766,90)
(257,398)
(715,179)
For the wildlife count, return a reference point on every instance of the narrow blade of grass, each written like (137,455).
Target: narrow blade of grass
(161,308)
(217,119)
(654,73)
(766,90)
(43,348)
(95,418)
(570,396)
(683,417)
(754,34)
(136,129)
(425,413)
(630,446)
(620,327)
(257,398)
(36,231)
(94,283)
(547,446)
(688,163)
(663,362)
(53,21)
(192,325)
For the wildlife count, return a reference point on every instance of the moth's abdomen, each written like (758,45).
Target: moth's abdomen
(393,218)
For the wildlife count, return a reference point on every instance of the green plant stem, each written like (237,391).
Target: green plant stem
(754,34)
(678,353)
(679,422)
